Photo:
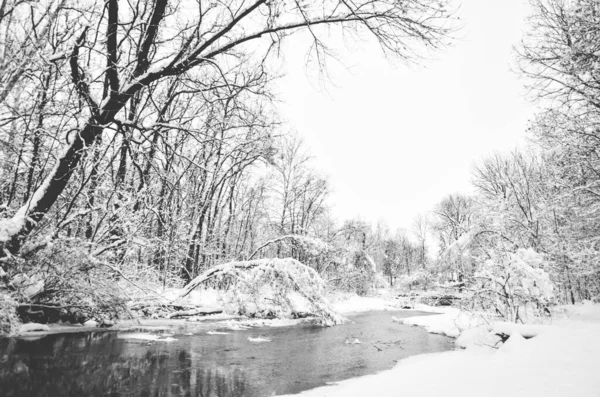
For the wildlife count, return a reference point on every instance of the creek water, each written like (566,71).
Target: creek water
(297,358)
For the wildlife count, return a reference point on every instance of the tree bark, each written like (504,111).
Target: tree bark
(46,195)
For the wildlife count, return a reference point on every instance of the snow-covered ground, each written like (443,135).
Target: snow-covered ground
(561,360)
(351,303)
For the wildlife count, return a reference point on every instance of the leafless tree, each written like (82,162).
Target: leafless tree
(122,57)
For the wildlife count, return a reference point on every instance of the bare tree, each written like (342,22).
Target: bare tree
(421,230)
(517,183)
(25,28)
(123,52)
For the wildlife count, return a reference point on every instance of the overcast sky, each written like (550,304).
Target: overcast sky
(394,139)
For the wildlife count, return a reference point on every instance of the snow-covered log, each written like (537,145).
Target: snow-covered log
(505,329)
(282,276)
(195,312)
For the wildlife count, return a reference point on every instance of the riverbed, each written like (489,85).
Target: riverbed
(295,358)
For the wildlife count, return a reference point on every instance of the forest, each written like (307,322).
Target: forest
(141,147)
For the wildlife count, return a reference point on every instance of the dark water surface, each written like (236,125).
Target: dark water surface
(297,358)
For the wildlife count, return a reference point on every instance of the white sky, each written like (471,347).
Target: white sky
(394,140)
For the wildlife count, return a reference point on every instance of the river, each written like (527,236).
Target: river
(297,358)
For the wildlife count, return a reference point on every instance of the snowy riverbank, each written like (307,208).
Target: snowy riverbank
(561,360)
(558,359)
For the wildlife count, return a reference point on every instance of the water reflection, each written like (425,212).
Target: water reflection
(101,364)
(298,358)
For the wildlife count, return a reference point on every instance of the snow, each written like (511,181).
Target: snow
(451,322)
(477,336)
(274,323)
(139,336)
(371,262)
(146,337)
(259,339)
(561,360)
(357,304)
(235,325)
(584,312)
(461,244)
(10,227)
(34,327)
(355,341)
(527,331)
(264,287)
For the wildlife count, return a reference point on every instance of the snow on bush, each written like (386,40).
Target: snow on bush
(417,279)
(264,288)
(358,275)
(514,285)
(9,322)
(10,228)
(62,282)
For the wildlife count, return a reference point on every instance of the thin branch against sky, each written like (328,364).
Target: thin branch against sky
(396,138)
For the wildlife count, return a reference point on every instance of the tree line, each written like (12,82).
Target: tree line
(141,139)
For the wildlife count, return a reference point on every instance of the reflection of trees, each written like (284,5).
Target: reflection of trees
(101,364)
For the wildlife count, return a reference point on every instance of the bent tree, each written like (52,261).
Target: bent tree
(109,60)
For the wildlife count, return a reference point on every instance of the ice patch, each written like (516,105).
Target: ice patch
(139,336)
(260,339)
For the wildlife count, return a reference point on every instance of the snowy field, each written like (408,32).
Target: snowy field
(560,360)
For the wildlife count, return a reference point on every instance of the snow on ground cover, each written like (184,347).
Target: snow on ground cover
(451,322)
(33,327)
(585,312)
(139,336)
(355,304)
(560,361)
(527,331)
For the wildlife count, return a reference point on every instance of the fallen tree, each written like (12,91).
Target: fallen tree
(265,285)
(195,312)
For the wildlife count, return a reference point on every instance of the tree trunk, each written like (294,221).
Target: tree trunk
(46,195)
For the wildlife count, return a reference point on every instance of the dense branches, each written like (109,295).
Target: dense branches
(144,135)
(122,57)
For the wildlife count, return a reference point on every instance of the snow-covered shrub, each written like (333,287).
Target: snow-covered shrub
(357,281)
(419,279)
(266,288)
(9,322)
(64,275)
(514,286)
(359,274)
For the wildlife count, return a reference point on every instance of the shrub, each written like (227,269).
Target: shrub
(514,286)
(9,322)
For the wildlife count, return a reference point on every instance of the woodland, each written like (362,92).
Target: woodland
(141,149)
